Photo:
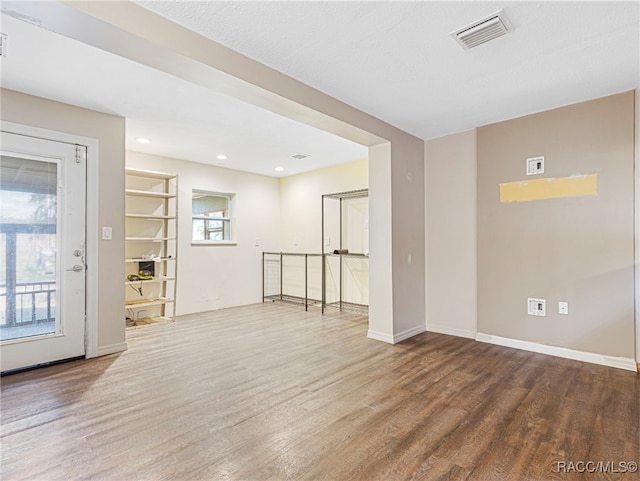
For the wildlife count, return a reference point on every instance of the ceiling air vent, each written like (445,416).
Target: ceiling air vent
(300,156)
(481,31)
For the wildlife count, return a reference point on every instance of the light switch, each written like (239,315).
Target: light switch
(107,233)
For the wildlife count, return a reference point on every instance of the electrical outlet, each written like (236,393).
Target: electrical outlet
(327,241)
(563,307)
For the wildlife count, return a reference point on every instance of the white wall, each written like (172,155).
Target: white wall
(301,230)
(451,234)
(218,276)
(302,206)
(380,235)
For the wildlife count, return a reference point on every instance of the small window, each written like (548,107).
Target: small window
(212,217)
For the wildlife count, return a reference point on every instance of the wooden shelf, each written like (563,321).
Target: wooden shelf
(150,216)
(149,321)
(149,174)
(155,301)
(155,280)
(150,239)
(139,259)
(150,193)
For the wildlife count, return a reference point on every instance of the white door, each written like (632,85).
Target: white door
(42,243)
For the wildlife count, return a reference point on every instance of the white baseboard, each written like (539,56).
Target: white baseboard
(451,331)
(111,348)
(626,363)
(401,336)
(395,338)
(380,336)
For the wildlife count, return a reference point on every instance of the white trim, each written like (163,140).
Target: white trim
(626,363)
(452,331)
(92,250)
(401,336)
(111,349)
(380,336)
(213,243)
(92,239)
(395,338)
(636,207)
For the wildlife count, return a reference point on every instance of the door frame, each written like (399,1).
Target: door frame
(92,223)
(636,219)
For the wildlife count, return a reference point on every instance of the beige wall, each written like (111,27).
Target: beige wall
(218,276)
(451,234)
(109,131)
(579,250)
(408,238)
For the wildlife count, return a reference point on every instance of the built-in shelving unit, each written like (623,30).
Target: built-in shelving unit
(151,241)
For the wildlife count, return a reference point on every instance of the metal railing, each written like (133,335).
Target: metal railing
(28,303)
(274,279)
(289,277)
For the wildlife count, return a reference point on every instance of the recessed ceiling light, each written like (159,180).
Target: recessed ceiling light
(279,169)
(142,140)
(221,157)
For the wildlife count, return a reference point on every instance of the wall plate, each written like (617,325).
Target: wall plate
(563,307)
(536,307)
(535,165)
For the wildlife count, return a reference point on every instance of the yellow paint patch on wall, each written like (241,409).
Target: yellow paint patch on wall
(551,188)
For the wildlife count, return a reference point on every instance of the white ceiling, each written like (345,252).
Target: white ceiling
(396,60)
(393,60)
(182,120)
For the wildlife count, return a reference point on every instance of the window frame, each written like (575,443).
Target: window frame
(229,220)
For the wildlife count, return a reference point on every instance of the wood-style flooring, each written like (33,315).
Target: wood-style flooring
(271,392)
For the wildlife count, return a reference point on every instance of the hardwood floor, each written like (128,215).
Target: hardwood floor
(269,392)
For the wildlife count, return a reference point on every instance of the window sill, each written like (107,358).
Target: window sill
(214,243)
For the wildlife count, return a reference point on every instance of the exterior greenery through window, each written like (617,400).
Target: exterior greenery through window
(212,217)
